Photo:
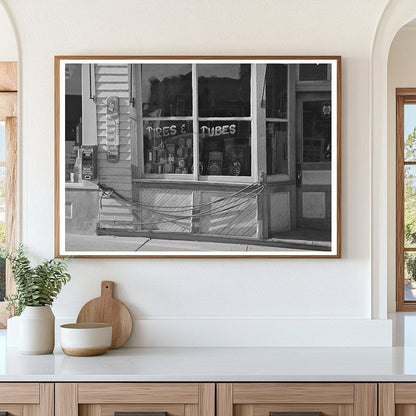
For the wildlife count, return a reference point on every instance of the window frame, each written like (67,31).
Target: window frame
(403,96)
(8,113)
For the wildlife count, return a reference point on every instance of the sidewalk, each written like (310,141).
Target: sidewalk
(88,243)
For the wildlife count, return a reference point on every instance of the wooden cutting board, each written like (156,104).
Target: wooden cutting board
(108,310)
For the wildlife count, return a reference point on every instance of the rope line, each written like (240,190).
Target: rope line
(107,192)
(219,206)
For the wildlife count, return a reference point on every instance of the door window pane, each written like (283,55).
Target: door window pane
(276,91)
(410,132)
(277,148)
(167,90)
(224,90)
(317,131)
(168,147)
(225,148)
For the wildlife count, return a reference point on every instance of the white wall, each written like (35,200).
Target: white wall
(8,47)
(401,74)
(203,302)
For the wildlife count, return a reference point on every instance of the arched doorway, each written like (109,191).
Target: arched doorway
(396,15)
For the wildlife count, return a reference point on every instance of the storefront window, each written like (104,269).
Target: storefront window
(225,148)
(220,120)
(168,146)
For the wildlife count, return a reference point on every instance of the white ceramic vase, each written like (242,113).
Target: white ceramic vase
(37,330)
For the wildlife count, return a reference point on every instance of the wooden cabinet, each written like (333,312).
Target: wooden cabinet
(397,399)
(208,399)
(27,399)
(105,399)
(262,399)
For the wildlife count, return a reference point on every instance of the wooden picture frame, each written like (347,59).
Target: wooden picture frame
(198,156)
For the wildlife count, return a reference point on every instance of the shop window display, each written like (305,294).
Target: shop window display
(222,119)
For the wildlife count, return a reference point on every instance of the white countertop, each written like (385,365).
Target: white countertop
(222,364)
(215,364)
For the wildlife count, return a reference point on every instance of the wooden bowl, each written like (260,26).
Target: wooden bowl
(84,340)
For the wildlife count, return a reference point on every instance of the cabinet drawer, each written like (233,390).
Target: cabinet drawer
(297,399)
(146,399)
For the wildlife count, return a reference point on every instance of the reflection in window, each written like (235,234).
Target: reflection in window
(224,90)
(277,149)
(276,91)
(314,72)
(317,131)
(225,148)
(167,90)
(168,147)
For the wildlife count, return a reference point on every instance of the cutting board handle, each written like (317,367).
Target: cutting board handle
(107,289)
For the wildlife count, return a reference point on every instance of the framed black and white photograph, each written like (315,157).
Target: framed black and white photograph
(198,156)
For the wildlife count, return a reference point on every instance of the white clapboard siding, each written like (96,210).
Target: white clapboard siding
(124,157)
(109,91)
(116,210)
(111,69)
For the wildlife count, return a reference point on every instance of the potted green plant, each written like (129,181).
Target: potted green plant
(36,289)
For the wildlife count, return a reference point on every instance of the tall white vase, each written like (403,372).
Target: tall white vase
(37,330)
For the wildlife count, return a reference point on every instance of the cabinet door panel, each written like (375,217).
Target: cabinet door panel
(331,399)
(405,410)
(27,399)
(110,409)
(105,399)
(397,399)
(326,409)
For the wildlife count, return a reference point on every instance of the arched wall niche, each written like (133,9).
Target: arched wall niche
(396,15)
(9,50)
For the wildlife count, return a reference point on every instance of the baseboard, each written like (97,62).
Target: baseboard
(212,332)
